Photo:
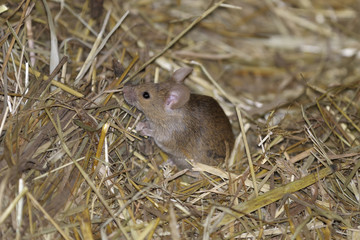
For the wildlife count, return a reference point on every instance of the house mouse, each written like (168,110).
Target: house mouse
(184,125)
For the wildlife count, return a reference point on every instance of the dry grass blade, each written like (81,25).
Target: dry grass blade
(84,174)
(54,52)
(47,215)
(6,58)
(176,39)
(3,8)
(11,206)
(275,194)
(85,225)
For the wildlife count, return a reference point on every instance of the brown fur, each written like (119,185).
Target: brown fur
(198,129)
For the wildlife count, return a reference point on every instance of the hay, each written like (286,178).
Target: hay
(72,166)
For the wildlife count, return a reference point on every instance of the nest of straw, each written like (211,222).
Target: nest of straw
(286,74)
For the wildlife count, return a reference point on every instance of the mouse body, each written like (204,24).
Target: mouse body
(188,127)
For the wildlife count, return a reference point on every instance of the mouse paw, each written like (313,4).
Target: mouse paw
(168,163)
(144,129)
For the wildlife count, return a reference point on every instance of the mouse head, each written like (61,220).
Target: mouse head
(159,100)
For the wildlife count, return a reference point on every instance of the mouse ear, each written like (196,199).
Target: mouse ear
(180,74)
(177,97)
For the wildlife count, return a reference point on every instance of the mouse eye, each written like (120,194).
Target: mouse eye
(146,95)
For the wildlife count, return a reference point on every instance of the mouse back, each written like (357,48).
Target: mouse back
(213,137)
